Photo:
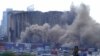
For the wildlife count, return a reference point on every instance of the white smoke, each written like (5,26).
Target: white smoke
(83,30)
(55,33)
(46,32)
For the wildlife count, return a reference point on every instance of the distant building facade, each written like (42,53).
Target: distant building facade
(14,22)
(19,20)
(3,28)
(4,21)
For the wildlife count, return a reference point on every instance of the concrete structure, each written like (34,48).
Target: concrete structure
(4,21)
(19,20)
(3,28)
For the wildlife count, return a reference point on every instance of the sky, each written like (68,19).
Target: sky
(50,5)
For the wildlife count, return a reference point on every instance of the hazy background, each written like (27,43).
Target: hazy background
(50,5)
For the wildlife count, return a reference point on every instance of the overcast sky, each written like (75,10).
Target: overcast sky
(48,5)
